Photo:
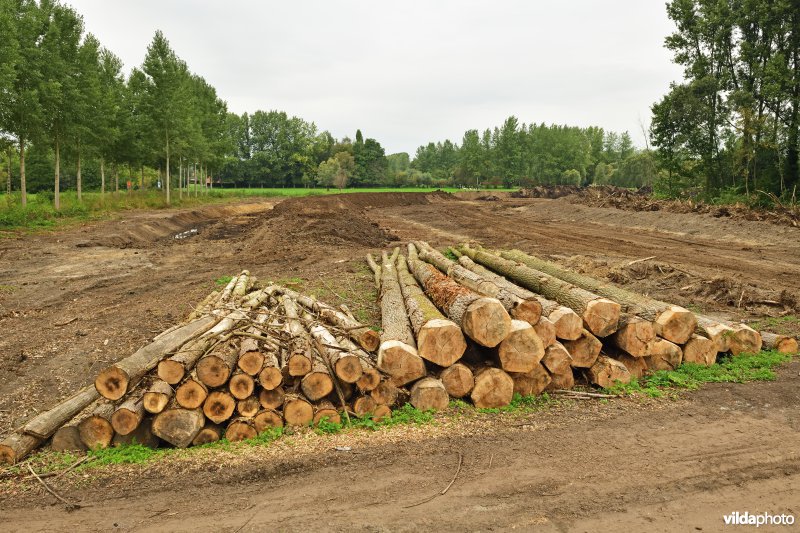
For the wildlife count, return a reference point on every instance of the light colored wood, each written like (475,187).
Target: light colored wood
(531,383)
(271,399)
(266,419)
(557,359)
(96,430)
(606,372)
(584,351)
(240,429)
(157,397)
(299,356)
(248,407)
(563,380)
(297,411)
(214,369)
(129,414)
(385,394)
(16,447)
(327,411)
(219,406)
(546,330)
(178,426)
(192,393)
(363,406)
(45,424)
(241,385)
(521,350)
(210,433)
(665,355)
(635,336)
(779,343)
(458,380)
(429,394)
(493,388)
(700,350)
(346,365)
(637,366)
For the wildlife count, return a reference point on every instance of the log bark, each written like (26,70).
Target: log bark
(240,429)
(521,350)
(45,424)
(173,369)
(546,330)
(600,315)
(483,319)
(157,397)
(568,324)
(210,433)
(637,366)
(635,336)
(720,334)
(673,323)
(326,410)
(219,406)
(561,380)
(363,406)
(297,411)
(606,372)
(266,419)
(179,427)
(271,375)
(458,380)
(493,388)
(439,340)
(376,269)
(115,381)
(192,393)
(528,310)
(214,369)
(241,385)
(67,439)
(271,399)
(584,351)
(557,359)
(700,350)
(345,365)
(248,407)
(129,414)
(429,393)
(299,355)
(385,394)
(531,383)
(16,447)
(142,435)
(779,343)
(664,356)
(370,377)
(96,430)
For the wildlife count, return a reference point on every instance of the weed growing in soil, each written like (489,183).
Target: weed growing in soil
(224,280)
(524,404)
(784,325)
(404,415)
(690,376)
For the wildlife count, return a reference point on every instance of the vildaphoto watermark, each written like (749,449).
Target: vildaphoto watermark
(763,519)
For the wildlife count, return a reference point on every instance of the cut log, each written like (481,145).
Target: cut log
(67,439)
(568,324)
(266,419)
(429,394)
(297,411)
(96,430)
(439,340)
(116,380)
(219,406)
(563,380)
(157,397)
(557,359)
(45,424)
(241,429)
(325,410)
(600,315)
(521,350)
(173,369)
(673,323)
(531,383)
(299,355)
(493,388)
(376,269)
(129,414)
(528,310)
(271,376)
(204,306)
(143,435)
(358,332)
(214,369)
(271,399)
(635,336)
(192,393)
(394,319)
(457,380)
(700,350)
(178,426)
(210,433)
(664,356)
(363,406)
(401,361)
(546,330)
(779,343)
(607,372)
(381,413)
(483,319)
(637,366)
(370,377)
(720,334)
(745,340)
(241,385)
(248,407)
(584,351)
(385,394)
(318,383)
(16,447)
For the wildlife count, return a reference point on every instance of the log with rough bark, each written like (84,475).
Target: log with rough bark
(483,319)
(370,376)
(439,340)
(251,359)
(531,383)
(219,406)
(17,446)
(635,336)
(174,368)
(529,310)
(720,334)
(600,315)
(271,376)
(665,355)
(493,388)
(248,407)
(345,365)
(671,322)
(363,406)
(358,332)
(157,396)
(240,429)
(271,399)
(325,410)
(178,426)
(546,330)
(567,323)
(67,439)
(700,350)
(557,359)
(376,269)
(115,381)
(429,393)
(210,433)
(266,419)
(397,354)
(318,383)
(192,393)
(458,380)
(47,423)
(129,414)
(385,394)
(142,435)
(299,356)
(214,369)
(96,430)
(779,343)
(241,385)
(521,350)
(563,380)
(606,372)
(297,411)
(584,351)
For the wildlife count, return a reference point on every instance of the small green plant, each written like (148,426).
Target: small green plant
(224,280)
(127,454)
(265,437)
(521,403)
(326,427)
(784,325)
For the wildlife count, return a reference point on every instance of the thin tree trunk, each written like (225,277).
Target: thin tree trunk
(78,183)
(180,178)
(102,177)
(196,181)
(116,179)
(141,177)
(57,197)
(8,181)
(22,187)
(167,173)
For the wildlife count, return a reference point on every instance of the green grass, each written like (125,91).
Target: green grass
(223,281)
(690,376)
(784,325)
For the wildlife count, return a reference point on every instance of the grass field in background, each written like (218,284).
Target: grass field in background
(40,213)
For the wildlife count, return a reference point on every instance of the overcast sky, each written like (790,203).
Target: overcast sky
(413,71)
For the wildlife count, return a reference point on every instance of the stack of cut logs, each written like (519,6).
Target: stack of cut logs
(482,327)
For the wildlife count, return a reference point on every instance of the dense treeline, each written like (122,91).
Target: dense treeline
(732,124)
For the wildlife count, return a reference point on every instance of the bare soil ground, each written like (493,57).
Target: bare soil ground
(87,296)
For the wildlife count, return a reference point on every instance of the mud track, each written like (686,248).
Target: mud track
(76,300)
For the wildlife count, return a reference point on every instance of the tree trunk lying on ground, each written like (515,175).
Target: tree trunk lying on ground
(45,424)
(458,380)
(429,393)
(493,388)
(700,350)
(606,372)
(664,356)
(179,426)
(780,343)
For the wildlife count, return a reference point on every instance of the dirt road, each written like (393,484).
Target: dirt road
(87,296)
